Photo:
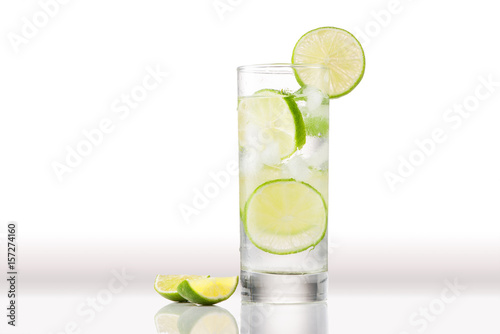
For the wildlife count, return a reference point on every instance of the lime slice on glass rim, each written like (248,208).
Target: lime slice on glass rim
(285,216)
(166,285)
(270,116)
(339,51)
(208,291)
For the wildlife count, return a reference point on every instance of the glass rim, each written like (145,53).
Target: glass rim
(268,68)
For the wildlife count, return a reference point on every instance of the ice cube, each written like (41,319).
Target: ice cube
(250,162)
(319,158)
(314,98)
(297,168)
(311,146)
(271,154)
(252,134)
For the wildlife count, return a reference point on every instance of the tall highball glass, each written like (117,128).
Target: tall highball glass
(283,129)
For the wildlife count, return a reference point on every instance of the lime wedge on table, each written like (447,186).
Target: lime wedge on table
(338,50)
(207,320)
(269,116)
(166,285)
(285,216)
(208,291)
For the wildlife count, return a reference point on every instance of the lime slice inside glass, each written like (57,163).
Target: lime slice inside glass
(208,291)
(166,285)
(338,50)
(269,119)
(285,216)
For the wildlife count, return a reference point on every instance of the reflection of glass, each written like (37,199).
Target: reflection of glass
(284,318)
(192,319)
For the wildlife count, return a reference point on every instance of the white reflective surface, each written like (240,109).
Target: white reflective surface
(284,318)
(431,308)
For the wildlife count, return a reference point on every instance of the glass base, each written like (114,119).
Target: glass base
(282,288)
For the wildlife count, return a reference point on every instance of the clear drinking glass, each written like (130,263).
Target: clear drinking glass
(283,159)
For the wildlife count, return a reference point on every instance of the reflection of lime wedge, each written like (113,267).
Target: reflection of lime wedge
(208,291)
(207,320)
(167,318)
(270,117)
(335,48)
(285,217)
(166,285)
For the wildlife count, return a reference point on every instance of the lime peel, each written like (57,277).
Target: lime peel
(208,291)
(166,285)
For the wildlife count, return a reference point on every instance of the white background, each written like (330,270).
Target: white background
(121,206)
